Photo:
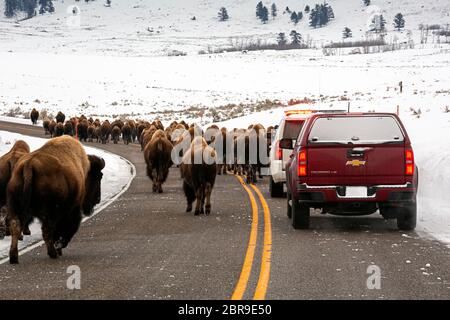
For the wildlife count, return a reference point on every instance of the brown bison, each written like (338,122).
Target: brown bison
(91,133)
(127,133)
(82,130)
(52,128)
(115,134)
(157,154)
(60,117)
(56,184)
(198,171)
(46,125)
(59,129)
(68,128)
(34,115)
(7,163)
(105,131)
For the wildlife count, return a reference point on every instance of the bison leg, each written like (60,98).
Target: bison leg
(199,194)
(208,198)
(15,231)
(66,229)
(190,195)
(47,234)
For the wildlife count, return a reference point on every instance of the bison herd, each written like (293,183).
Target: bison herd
(59,183)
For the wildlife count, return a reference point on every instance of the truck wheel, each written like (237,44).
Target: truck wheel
(407,217)
(276,189)
(300,215)
(289,207)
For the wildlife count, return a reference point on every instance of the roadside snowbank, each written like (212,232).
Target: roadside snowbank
(118,174)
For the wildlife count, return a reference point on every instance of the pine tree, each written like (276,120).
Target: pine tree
(29,6)
(347,33)
(314,17)
(259,8)
(10,8)
(307,9)
(300,15)
(296,38)
(281,39)
(379,24)
(366,2)
(294,17)
(274,10)
(287,10)
(399,21)
(264,15)
(223,14)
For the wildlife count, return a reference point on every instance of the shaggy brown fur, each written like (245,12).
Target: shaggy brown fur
(68,128)
(59,129)
(60,117)
(46,125)
(91,133)
(82,130)
(126,133)
(34,115)
(105,131)
(56,184)
(147,135)
(198,179)
(157,154)
(52,128)
(115,134)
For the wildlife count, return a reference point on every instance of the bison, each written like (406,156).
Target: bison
(34,115)
(82,130)
(91,133)
(68,128)
(52,128)
(198,171)
(115,134)
(59,129)
(105,131)
(56,184)
(46,126)
(60,117)
(157,154)
(7,164)
(127,133)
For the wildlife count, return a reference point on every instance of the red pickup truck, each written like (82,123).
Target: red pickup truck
(352,164)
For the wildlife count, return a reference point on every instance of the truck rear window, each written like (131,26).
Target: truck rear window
(368,129)
(292,129)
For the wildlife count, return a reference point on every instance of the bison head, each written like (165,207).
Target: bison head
(93,183)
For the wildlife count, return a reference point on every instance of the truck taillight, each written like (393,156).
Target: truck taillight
(409,162)
(278,151)
(302,162)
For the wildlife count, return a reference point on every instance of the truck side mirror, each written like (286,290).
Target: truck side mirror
(286,144)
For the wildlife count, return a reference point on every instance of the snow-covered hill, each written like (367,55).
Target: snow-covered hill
(154,27)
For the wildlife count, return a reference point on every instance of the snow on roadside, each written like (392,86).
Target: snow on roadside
(118,173)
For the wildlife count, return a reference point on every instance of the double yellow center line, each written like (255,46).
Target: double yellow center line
(264,275)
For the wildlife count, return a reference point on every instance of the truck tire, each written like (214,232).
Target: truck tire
(407,217)
(289,207)
(276,189)
(300,215)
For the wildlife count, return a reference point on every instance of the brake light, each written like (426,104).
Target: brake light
(302,162)
(409,162)
(293,112)
(278,151)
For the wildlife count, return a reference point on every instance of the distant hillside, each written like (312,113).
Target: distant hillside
(155,27)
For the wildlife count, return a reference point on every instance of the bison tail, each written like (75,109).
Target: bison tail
(160,146)
(27,188)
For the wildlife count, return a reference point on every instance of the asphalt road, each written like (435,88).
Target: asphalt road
(145,246)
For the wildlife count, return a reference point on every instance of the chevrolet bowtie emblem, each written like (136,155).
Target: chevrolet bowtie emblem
(356,163)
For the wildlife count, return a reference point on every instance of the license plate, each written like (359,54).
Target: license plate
(356,192)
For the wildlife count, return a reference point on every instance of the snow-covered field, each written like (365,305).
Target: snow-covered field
(155,27)
(118,174)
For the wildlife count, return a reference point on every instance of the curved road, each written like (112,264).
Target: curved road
(144,246)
